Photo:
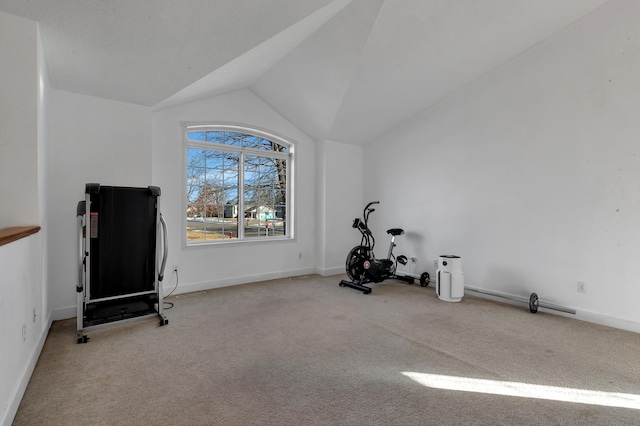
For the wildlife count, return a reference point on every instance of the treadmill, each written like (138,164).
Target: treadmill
(121,237)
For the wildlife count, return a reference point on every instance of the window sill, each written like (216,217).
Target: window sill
(8,235)
(222,242)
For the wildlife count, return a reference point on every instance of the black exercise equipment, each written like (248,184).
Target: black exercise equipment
(119,245)
(533,302)
(363,267)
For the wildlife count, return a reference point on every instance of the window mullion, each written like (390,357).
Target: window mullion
(241,217)
(235,149)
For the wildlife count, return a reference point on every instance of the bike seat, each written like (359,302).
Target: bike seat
(395,231)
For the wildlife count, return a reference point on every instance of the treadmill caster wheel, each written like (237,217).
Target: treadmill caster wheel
(82,339)
(163,321)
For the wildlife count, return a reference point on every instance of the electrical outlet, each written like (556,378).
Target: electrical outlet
(300,255)
(24,332)
(34,315)
(413,259)
(435,263)
(582,287)
(175,268)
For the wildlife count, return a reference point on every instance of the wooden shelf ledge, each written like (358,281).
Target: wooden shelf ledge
(14,233)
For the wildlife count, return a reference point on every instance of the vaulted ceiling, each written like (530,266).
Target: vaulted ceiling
(343,70)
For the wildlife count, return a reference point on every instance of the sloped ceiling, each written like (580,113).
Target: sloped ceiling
(344,70)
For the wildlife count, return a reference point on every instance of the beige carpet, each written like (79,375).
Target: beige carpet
(305,351)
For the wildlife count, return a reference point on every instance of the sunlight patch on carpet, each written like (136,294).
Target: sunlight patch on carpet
(524,390)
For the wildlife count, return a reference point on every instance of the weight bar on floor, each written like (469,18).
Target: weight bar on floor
(534,302)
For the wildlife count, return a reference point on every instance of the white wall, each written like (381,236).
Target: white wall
(91,140)
(339,200)
(44,90)
(220,265)
(18,121)
(24,310)
(531,174)
(20,294)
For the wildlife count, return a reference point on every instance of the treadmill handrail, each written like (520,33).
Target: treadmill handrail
(166,248)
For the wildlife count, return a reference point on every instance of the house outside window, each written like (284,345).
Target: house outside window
(238,184)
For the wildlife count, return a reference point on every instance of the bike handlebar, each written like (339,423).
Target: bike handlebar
(367,236)
(373,202)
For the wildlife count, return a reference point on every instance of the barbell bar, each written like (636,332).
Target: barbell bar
(534,302)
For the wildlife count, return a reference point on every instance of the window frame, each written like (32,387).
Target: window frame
(189,126)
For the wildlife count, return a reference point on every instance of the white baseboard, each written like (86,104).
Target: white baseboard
(606,320)
(245,279)
(327,272)
(63,313)
(16,398)
(593,317)
(70,311)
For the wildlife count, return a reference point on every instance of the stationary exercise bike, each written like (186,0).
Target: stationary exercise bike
(363,267)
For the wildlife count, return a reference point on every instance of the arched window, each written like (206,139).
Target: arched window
(238,184)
